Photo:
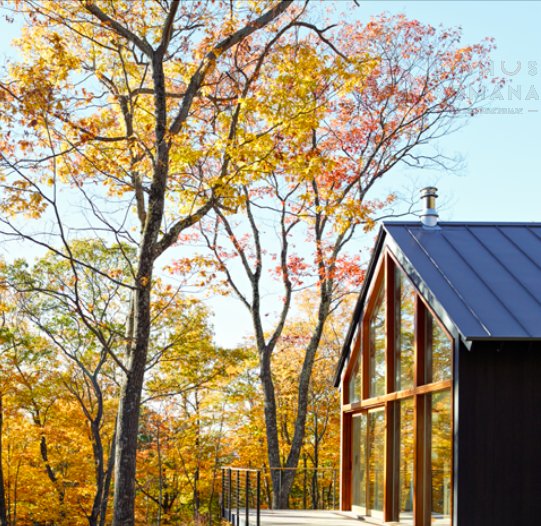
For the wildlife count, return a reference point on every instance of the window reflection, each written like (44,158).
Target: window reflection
(376,461)
(405,322)
(355,382)
(377,348)
(441,457)
(359,462)
(406,459)
(371,461)
(439,353)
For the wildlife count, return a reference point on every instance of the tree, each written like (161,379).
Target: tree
(47,301)
(412,86)
(133,110)
(60,378)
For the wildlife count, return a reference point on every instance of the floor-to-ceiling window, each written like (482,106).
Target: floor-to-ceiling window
(375,441)
(406,459)
(440,458)
(400,399)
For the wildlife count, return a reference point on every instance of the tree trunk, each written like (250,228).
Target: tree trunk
(107,484)
(160,479)
(273,446)
(130,396)
(282,480)
(99,461)
(127,429)
(3,508)
(196,495)
(60,491)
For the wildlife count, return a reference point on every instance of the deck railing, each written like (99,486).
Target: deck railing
(241,496)
(245,491)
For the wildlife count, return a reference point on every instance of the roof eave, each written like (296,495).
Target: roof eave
(496,338)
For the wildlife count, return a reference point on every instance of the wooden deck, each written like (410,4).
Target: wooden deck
(304,517)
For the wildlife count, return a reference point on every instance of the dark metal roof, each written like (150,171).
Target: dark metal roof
(482,279)
(485,276)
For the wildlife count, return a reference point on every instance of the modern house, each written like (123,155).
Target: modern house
(440,376)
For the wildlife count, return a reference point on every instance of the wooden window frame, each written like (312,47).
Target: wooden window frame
(385,276)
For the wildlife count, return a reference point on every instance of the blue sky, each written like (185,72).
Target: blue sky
(501,179)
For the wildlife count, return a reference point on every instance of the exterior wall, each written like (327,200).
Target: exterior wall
(499,435)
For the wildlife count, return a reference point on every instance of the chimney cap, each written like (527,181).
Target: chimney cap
(428,191)
(429,216)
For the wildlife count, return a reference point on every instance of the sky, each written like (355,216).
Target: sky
(500,179)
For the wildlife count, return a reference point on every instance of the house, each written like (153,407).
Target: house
(440,376)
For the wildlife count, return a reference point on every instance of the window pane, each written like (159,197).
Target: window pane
(359,462)
(376,462)
(355,385)
(440,353)
(440,458)
(355,382)
(377,348)
(407,449)
(405,350)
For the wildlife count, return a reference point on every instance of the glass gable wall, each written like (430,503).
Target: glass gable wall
(402,448)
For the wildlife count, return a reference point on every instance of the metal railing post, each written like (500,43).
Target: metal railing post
(325,491)
(247,489)
(230,496)
(279,499)
(238,497)
(258,499)
(334,489)
(304,483)
(222,503)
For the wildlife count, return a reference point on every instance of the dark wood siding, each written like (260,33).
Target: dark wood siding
(499,435)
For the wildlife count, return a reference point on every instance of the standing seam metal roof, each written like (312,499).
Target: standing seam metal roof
(486,276)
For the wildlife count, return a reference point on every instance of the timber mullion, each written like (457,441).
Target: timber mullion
(419,463)
(420,416)
(346,461)
(370,403)
(390,329)
(420,342)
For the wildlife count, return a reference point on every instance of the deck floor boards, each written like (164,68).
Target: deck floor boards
(304,517)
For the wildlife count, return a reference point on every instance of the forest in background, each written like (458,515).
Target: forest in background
(202,410)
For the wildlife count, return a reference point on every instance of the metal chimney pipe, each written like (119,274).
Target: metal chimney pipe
(429,216)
